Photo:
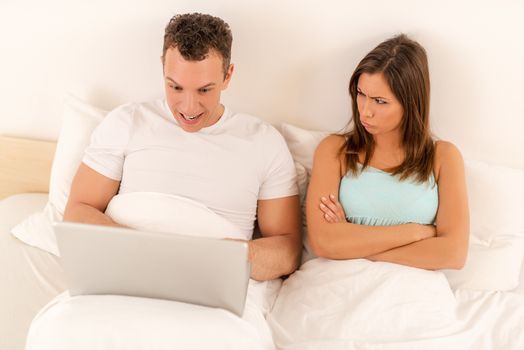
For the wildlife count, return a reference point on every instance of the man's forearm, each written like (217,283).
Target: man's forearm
(275,256)
(86,214)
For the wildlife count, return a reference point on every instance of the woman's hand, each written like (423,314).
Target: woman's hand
(426,231)
(332,209)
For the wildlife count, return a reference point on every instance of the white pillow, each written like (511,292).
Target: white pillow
(37,230)
(302,181)
(79,121)
(496,200)
(302,143)
(161,212)
(494,267)
(496,193)
(496,251)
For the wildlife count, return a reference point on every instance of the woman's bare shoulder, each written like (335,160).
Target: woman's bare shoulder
(332,142)
(445,150)
(447,155)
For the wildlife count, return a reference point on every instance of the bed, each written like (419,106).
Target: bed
(480,307)
(30,277)
(291,68)
(30,263)
(389,306)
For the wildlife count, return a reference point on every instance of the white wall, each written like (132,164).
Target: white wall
(293,61)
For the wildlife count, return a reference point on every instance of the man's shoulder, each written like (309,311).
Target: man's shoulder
(133,110)
(152,107)
(253,126)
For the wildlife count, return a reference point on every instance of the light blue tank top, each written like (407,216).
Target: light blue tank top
(375,197)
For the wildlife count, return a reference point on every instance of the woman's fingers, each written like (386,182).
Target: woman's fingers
(340,209)
(335,207)
(330,204)
(329,215)
(333,211)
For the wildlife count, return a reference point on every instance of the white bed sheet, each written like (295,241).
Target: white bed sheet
(358,304)
(29,277)
(520,287)
(37,274)
(126,323)
(110,322)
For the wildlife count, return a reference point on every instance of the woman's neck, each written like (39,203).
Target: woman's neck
(388,152)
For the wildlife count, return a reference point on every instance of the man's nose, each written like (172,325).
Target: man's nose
(189,105)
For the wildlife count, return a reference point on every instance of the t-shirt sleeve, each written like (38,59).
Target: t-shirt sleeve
(280,179)
(108,147)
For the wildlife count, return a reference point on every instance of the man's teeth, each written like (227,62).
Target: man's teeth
(190,117)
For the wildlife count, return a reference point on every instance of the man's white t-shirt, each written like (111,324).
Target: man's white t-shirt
(227,166)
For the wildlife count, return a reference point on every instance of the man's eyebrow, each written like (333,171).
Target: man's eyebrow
(203,87)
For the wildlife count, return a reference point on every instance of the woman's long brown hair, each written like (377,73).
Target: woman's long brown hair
(404,64)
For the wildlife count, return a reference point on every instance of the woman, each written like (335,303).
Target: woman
(386,191)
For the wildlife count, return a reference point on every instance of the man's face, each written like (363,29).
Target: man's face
(193,89)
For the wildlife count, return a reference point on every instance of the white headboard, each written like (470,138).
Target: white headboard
(293,61)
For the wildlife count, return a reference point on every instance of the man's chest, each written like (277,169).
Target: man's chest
(215,175)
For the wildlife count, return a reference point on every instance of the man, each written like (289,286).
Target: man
(191,145)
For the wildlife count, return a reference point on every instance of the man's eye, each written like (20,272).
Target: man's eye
(204,90)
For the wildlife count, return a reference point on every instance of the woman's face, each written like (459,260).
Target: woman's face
(380,111)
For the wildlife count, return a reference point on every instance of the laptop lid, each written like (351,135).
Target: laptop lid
(111,260)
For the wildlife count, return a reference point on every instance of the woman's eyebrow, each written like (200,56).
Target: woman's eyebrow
(383,98)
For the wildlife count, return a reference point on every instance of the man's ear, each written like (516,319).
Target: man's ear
(228,76)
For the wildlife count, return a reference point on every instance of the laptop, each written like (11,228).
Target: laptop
(111,260)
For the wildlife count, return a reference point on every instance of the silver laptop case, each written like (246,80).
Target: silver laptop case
(109,260)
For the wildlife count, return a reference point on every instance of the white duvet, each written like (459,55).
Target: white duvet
(359,304)
(128,323)
(352,304)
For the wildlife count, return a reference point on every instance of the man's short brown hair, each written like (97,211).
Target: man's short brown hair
(195,34)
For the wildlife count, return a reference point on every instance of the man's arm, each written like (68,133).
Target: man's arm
(89,197)
(277,253)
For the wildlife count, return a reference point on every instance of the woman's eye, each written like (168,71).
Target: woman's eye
(380,101)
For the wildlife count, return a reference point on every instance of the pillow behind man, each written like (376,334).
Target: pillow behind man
(79,121)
